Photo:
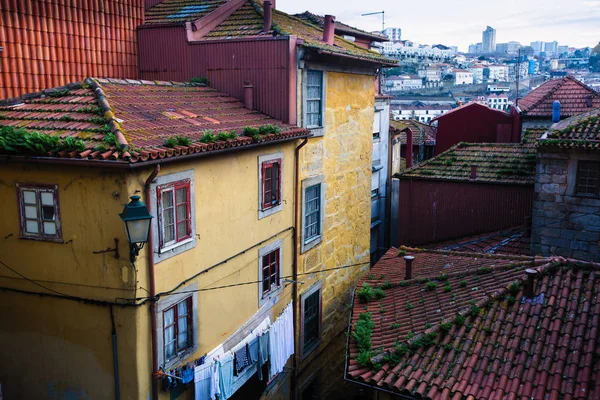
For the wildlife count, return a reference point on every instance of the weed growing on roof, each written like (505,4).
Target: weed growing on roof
(427,172)
(381,308)
(474,308)
(99,120)
(110,139)
(170,142)
(447,288)
(66,118)
(460,320)
(19,140)
(510,300)
(101,148)
(59,93)
(91,110)
(392,359)
(363,329)
(266,129)
(208,137)
(403,283)
(401,253)
(387,285)
(371,276)
(183,140)
(410,335)
(484,270)
(463,284)
(431,285)
(395,325)
(445,326)
(378,293)
(442,277)
(408,306)
(252,132)
(365,293)
(223,136)
(202,80)
(514,287)
(105,129)
(427,325)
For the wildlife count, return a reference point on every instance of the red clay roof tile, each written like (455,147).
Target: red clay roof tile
(572,94)
(504,345)
(148,120)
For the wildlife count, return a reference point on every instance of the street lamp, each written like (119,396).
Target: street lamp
(137,222)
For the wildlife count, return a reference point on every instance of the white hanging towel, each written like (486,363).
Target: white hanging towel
(202,381)
(281,341)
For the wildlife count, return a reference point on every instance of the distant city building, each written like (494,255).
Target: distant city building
(502,48)
(513,47)
(498,73)
(394,34)
(407,49)
(537,47)
(563,50)
(477,71)
(551,48)
(475,48)
(498,88)
(462,77)
(498,101)
(488,40)
(403,82)
(419,111)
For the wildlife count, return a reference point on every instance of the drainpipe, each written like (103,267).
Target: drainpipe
(295,267)
(152,286)
(115,356)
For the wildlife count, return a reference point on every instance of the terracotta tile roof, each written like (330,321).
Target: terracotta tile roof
(51,43)
(473,334)
(132,121)
(180,11)
(510,241)
(581,131)
(531,135)
(423,134)
(572,94)
(248,22)
(340,27)
(496,163)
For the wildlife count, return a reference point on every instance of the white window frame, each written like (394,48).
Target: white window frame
(265,159)
(305,244)
(170,249)
(163,304)
(262,297)
(38,189)
(315,130)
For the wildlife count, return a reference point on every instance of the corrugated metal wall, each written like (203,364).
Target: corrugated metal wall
(434,211)
(52,43)
(166,55)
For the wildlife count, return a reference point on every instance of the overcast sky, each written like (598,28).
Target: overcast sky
(460,22)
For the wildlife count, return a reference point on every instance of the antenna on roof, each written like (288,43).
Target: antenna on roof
(382,18)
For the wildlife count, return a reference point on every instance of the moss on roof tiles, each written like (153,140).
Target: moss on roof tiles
(179,11)
(496,163)
(581,131)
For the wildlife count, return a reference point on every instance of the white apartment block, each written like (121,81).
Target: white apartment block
(394,34)
(462,77)
(498,101)
(477,72)
(403,82)
(498,73)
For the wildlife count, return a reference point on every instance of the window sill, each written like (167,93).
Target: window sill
(180,358)
(42,239)
(174,246)
(270,211)
(307,245)
(316,131)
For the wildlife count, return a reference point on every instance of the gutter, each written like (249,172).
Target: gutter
(293,382)
(141,164)
(152,284)
(115,356)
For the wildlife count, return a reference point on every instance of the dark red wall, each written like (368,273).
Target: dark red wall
(471,124)
(269,64)
(433,211)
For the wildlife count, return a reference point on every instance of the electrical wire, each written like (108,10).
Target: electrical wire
(32,281)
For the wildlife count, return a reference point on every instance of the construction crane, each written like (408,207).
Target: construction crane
(382,18)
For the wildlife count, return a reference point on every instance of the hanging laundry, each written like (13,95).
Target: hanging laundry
(202,382)
(281,341)
(242,359)
(215,381)
(253,350)
(226,376)
(187,375)
(263,352)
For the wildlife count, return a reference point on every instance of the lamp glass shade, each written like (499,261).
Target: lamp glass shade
(137,220)
(137,230)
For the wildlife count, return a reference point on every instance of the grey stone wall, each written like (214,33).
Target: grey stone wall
(563,223)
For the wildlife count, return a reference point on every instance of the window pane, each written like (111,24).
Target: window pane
(167,199)
(47,198)
(181,212)
(31,226)
(182,336)
(49,228)
(48,213)
(29,197)
(311,320)
(30,212)
(169,317)
(182,230)
(312,212)
(181,195)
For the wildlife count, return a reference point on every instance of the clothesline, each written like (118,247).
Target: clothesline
(225,372)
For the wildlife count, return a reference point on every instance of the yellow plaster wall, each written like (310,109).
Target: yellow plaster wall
(343,156)
(55,348)
(227,225)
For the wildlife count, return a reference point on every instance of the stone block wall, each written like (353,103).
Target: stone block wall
(563,223)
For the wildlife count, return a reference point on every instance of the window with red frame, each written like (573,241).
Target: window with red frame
(271,184)
(174,213)
(178,328)
(270,272)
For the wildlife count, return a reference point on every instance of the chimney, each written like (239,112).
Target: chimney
(328,29)
(459,104)
(248,95)
(409,261)
(409,148)
(268,17)
(473,172)
(555,111)
(531,273)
